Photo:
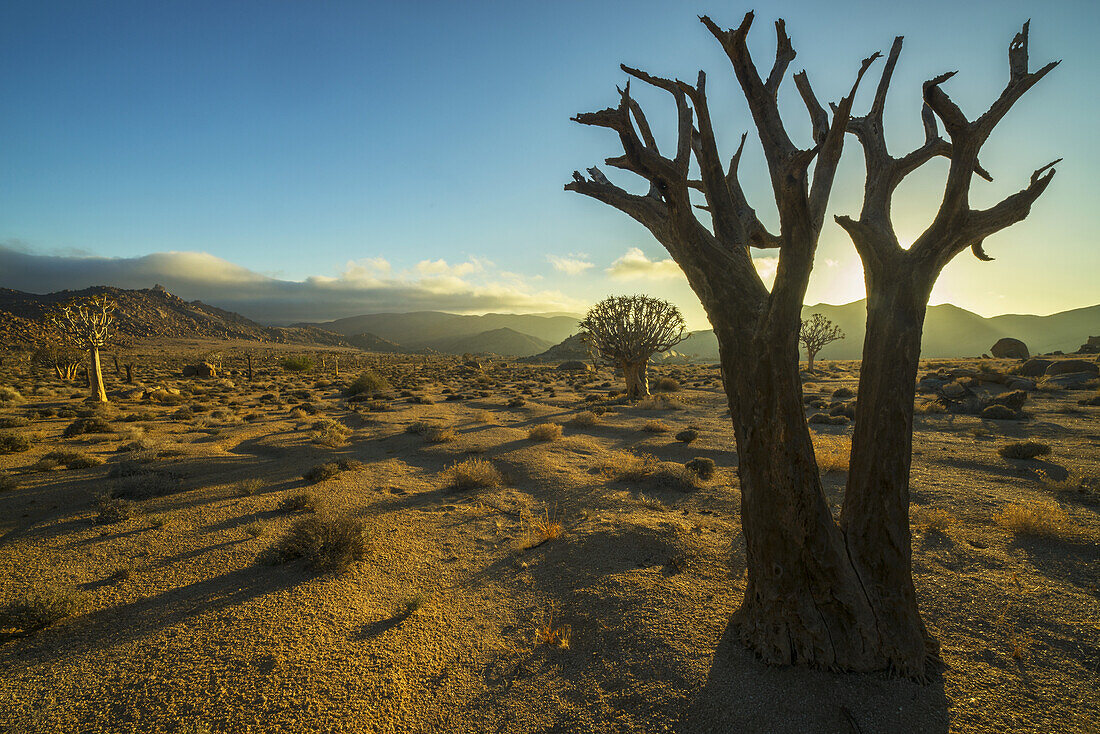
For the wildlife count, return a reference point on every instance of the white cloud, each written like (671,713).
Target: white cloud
(571,264)
(766,267)
(365,286)
(634,264)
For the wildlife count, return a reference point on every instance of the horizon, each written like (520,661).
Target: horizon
(294,164)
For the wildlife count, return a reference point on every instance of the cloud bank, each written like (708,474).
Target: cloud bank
(635,265)
(365,286)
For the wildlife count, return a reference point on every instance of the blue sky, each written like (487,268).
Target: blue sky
(357,145)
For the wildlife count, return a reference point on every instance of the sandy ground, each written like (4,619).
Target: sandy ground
(443,626)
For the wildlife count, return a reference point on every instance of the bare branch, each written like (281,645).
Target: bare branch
(784,55)
(818,119)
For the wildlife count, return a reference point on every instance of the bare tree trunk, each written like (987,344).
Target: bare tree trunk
(249,358)
(804,603)
(875,518)
(637,381)
(129,373)
(810,360)
(95,378)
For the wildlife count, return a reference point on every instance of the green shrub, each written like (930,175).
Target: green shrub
(299,363)
(91,424)
(368,382)
(687,436)
(325,543)
(39,608)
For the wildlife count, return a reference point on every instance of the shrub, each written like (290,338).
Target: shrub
(584,418)
(11,443)
(937,519)
(833,452)
(545,432)
(1024,450)
(15,421)
(114,509)
(39,608)
(256,529)
(330,433)
(325,543)
(329,469)
(1043,519)
(301,502)
(72,459)
(299,363)
(91,424)
(368,382)
(9,395)
(655,427)
(702,467)
(687,436)
(670,475)
(475,473)
(667,384)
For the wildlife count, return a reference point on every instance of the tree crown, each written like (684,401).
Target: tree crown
(632,328)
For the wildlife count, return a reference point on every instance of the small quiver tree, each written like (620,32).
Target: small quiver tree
(87,322)
(59,358)
(627,330)
(816,332)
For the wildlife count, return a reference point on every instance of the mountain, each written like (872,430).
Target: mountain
(504,341)
(372,343)
(152,312)
(949,332)
(437,330)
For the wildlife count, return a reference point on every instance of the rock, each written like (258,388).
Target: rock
(473,364)
(574,365)
(954,390)
(822,418)
(1070,381)
(203,369)
(1092,346)
(998,413)
(1020,383)
(1067,366)
(1034,367)
(843,392)
(1009,348)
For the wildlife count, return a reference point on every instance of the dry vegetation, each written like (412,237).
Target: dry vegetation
(511,548)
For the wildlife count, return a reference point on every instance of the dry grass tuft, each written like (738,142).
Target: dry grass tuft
(474,474)
(584,419)
(1043,519)
(545,432)
(655,427)
(833,452)
(554,635)
(1024,450)
(935,519)
(38,608)
(325,543)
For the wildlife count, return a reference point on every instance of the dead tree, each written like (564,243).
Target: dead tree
(876,505)
(816,332)
(87,323)
(627,330)
(804,602)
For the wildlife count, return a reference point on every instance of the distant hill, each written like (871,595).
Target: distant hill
(152,312)
(437,330)
(504,341)
(949,331)
(372,343)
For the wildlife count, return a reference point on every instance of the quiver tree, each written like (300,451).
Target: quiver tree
(62,359)
(627,330)
(804,602)
(815,333)
(87,323)
(899,281)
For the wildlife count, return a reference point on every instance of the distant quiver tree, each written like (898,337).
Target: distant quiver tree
(816,332)
(87,322)
(627,330)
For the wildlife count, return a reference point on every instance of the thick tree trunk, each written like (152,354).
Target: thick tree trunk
(875,517)
(95,378)
(637,380)
(810,360)
(803,603)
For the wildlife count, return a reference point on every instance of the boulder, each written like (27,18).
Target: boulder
(1009,348)
(574,365)
(1068,366)
(998,413)
(1021,383)
(1034,367)
(954,390)
(1070,381)
(1092,346)
(1014,400)
(202,369)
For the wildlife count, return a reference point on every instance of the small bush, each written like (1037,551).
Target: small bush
(667,384)
(114,509)
(545,432)
(301,502)
(329,469)
(39,608)
(330,433)
(249,487)
(11,443)
(300,363)
(256,529)
(369,383)
(325,543)
(474,474)
(670,475)
(1024,450)
(15,421)
(687,436)
(655,427)
(584,418)
(9,395)
(72,459)
(91,424)
(1041,519)
(936,519)
(702,467)
(833,452)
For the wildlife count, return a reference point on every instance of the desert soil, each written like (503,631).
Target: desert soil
(464,616)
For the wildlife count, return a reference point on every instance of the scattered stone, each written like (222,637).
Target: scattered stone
(1009,348)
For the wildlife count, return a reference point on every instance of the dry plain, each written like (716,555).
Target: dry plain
(589,591)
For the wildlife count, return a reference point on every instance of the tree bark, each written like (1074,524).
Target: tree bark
(875,518)
(637,380)
(95,378)
(810,360)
